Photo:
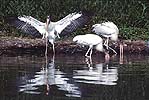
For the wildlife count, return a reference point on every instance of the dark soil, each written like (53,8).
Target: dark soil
(11,45)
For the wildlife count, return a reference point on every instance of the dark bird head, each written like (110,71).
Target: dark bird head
(48,17)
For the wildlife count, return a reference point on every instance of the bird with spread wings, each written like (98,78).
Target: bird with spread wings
(49,29)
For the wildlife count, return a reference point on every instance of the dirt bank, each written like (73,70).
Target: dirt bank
(14,45)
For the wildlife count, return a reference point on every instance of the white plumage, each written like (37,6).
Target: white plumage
(50,29)
(108,30)
(89,40)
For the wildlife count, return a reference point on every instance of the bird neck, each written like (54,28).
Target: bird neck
(46,26)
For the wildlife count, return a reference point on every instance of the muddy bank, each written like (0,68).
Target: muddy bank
(11,45)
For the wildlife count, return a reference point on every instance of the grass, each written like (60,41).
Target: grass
(131,16)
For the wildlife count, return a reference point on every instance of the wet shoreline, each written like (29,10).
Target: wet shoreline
(14,45)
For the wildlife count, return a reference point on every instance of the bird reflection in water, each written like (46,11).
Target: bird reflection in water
(51,76)
(100,73)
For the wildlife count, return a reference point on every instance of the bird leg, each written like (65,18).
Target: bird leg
(53,49)
(91,52)
(112,50)
(106,43)
(88,51)
(121,49)
(46,46)
(89,62)
(121,53)
(107,46)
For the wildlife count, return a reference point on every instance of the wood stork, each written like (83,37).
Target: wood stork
(108,30)
(50,29)
(90,40)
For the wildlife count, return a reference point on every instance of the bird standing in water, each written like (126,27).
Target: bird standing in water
(108,30)
(91,40)
(49,29)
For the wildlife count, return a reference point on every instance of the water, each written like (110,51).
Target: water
(32,77)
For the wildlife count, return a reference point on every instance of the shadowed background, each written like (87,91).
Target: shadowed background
(131,17)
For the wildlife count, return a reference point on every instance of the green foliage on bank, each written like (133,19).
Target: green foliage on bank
(131,16)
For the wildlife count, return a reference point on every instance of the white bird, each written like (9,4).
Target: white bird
(108,30)
(90,40)
(50,29)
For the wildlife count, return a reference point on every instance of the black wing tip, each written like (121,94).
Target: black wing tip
(9,19)
(87,12)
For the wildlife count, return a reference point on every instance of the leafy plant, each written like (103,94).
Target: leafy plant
(131,16)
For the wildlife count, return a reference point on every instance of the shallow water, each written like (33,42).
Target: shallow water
(32,77)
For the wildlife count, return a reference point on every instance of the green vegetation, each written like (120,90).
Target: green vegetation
(131,16)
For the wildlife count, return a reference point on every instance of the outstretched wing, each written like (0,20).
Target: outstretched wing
(72,21)
(27,24)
